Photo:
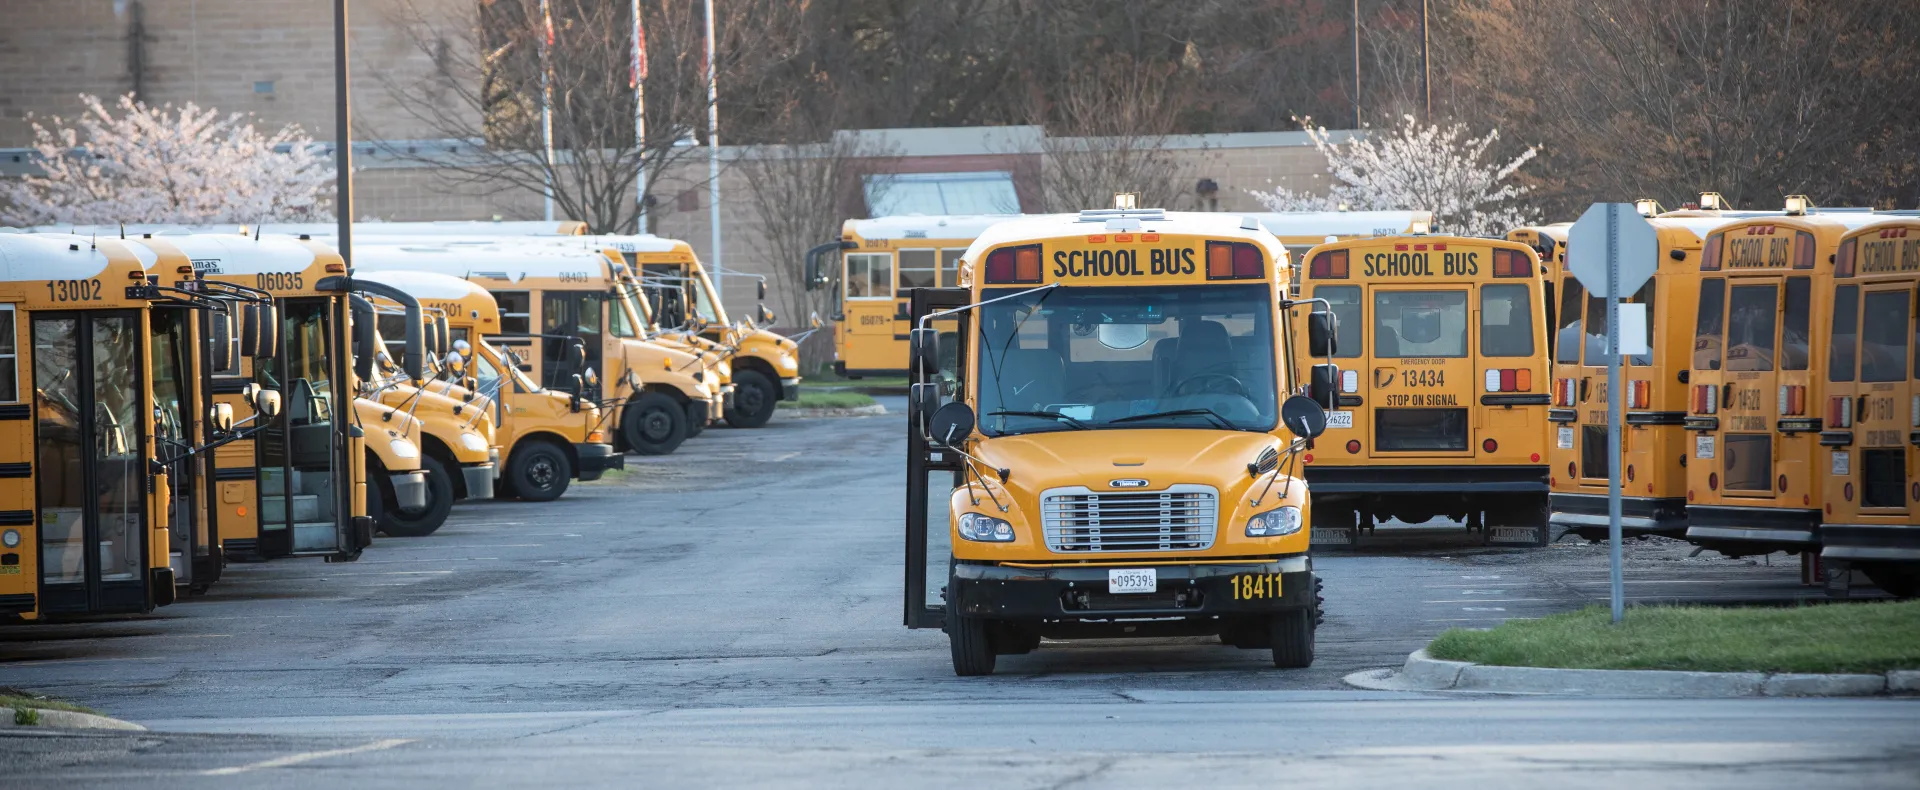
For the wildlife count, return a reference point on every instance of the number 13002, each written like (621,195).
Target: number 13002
(73,290)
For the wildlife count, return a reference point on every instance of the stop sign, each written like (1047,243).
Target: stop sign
(1612,234)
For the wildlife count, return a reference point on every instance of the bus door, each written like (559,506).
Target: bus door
(1749,376)
(666,292)
(1422,371)
(932,475)
(876,324)
(90,460)
(565,315)
(1870,397)
(176,386)
(304,478)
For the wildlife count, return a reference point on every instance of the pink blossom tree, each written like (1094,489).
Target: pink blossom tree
(166,164)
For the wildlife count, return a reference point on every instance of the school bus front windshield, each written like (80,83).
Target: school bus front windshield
(1071,358)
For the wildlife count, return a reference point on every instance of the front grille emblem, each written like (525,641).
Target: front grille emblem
(1131,482)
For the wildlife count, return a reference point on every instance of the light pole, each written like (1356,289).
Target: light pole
(342,136)
(1356,64)
(713,155)
(1426,65)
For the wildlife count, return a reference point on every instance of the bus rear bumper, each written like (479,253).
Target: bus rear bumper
(1870,542)
(595,459)
(14,605)
(1078,593)
(1463,478)
(1586,515)
(1740,531)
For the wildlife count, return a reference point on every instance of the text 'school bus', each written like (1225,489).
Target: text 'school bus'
(547,438)
(299,483)
(1754,400)
(1115,456)
(882,258)
(1653,481)
(1443,398)
(1303,230)
(1871,411)
(652,392)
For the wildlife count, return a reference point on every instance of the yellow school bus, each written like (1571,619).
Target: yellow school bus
(457,437)
(1130,471)
(299,485)
(547,438)
(882,258)
(1754,397)
(1442,409)
(1870,411)
(550,295)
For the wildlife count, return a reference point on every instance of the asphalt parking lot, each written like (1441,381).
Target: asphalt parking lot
(731,614)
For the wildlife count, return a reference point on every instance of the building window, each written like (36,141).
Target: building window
(933,194)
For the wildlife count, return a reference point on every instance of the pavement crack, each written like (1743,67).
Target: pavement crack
(1083,776)
(589,722)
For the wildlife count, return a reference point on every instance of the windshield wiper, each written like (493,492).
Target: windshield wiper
(1213,416)
(1053,415)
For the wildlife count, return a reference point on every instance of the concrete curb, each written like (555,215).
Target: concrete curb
(66,720)
(857,411)
(1425,673)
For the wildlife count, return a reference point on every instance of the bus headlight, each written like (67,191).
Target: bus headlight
(472,441)
(1274,523)
(10,539)
(987,529)
(404,448)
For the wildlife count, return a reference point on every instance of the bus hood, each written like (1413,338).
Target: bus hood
(1114,460)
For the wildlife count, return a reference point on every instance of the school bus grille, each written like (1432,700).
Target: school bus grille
(1078,520)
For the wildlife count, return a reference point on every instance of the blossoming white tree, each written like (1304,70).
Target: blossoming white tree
(1415,166)
(162,164)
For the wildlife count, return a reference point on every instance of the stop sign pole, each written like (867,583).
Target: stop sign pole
(1612,249)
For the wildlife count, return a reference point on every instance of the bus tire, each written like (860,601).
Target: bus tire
(970,641)
(539,472)
(696,418)
(754,396)
(1293,639)
(654,424)
(1895,580)
(423,521)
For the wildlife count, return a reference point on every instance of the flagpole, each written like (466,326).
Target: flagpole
(713,154)
(546,98)
(639,72)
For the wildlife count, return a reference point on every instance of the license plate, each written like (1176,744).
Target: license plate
(1842,465)
(1339,419)
(1565,439)
(1512,535)
(1255,586)
(1703,447)
(1132,580)
(9,570)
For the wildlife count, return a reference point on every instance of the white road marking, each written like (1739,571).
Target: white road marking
(304,757)
(1483,608)
(1480,577)
(1494,600)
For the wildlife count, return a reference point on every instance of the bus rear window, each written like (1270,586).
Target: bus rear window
(1749,461)
(1645,297)
(1752,312)
(1506,321)
(1596,341)
(1846,333)
(1345,300)
(1710,317)
(1419,324)
(1883,340)
(1566,336)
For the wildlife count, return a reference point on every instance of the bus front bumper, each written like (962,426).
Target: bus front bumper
(1586,514)
(1740,531)
(477,477)
(1079,592)
(595,459)
(1870,542)
(790,388)
(409,489)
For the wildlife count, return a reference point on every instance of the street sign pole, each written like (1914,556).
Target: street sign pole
(1615,407)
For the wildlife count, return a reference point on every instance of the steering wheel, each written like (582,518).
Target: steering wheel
(1237,387)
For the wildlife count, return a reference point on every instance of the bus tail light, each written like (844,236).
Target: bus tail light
(1639,394)
(1350,382)
(1916,415)
(1840,412)
(1843,260)
(1329,265)
(1014,265)
(1710,255)
(1510,263)
(1509,380)
(1706,399)
(1563,392)
(1490,446)
(1793,400)
(1802,250)
(1233,260)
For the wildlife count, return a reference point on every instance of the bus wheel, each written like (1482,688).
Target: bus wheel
(1293,639)
(971,641)
(696,418)
(654,424)
(754,396)
(423,521)
(539,472)
(1894,580)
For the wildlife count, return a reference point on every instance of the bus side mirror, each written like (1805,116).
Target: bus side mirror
(592,379)
(763,290)
(443,336)
(923,400)
(813,320)
(364,346)
(220,417)
(220,340)
(1323,387)
(267,403)
(578,386)
(1303,417)
(951,424)
(924,347)
(576,354)
(455,363)
(766,315)
(259,331)
(1323,330)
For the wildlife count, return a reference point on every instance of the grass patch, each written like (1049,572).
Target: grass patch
(827,400)
(15,700)
(1856,637)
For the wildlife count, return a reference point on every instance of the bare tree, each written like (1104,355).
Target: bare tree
(1107,133)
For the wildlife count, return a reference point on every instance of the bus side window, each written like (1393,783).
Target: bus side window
(950,267)
(1793,334)
(514,312)
(1567,336)
(1506,321)
(1345,300)
(1846,333)
(919,269)
(1710,318)
(9,357)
